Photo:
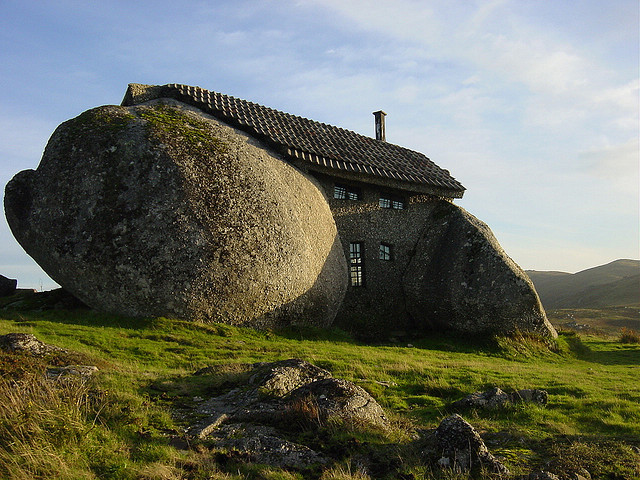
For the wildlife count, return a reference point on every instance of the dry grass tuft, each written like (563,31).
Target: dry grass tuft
(41,421)
(628,335)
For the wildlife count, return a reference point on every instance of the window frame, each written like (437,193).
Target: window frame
(356,264)
(392,202)
(385,252)
(347,192)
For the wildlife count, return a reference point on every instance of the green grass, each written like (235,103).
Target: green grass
(121,424)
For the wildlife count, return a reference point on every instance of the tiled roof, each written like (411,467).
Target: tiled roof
(315,143)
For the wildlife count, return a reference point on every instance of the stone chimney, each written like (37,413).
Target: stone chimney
(380,128)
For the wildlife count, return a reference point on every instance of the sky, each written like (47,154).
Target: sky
(532,105)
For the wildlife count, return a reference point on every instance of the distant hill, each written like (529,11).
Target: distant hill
(614,284)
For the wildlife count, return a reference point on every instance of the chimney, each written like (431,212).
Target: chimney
(380,129)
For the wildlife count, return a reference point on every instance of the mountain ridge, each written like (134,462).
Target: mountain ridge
(616,283)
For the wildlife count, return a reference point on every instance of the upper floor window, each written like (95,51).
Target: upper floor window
(385,252)
(388,201)
(344,192)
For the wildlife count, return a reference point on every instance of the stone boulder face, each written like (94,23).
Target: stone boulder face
(161,210)
(461,279)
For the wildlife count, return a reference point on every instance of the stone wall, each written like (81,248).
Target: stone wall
(378,307)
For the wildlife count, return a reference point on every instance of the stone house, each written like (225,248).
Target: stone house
(381,194)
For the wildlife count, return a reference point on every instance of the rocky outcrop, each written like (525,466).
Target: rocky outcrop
(286,392)
(461,447)
(461,278)
(160,210)
(7,286)
(270,401)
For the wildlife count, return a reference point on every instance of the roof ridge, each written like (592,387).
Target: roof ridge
(326,145)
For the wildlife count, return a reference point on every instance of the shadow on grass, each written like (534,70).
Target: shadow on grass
(83,317)
(609,353)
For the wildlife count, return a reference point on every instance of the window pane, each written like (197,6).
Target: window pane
(398,204)
(385,202)
(339,192)
(385,251)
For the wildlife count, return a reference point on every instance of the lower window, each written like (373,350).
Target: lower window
(356,264)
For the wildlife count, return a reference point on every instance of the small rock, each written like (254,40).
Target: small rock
(542,475)
(26,343)
(497,398)
(7,286)
(459,441)
(494,398)
(529,395)
(577,476)
(82,371)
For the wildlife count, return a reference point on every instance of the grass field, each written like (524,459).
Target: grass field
(606,321)
(125,423)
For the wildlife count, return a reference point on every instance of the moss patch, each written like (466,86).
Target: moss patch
(176,127)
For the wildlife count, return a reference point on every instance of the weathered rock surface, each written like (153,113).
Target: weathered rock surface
(280,378)
(26,343)
(160,210)
(339,399)
(278,397)
(497,398)
(462,448)
(461,278)
(264,445)
(7,286)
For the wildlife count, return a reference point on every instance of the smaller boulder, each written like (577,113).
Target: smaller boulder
(334,398)
(462,448)
(7,286)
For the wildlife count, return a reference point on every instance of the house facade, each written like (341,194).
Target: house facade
(381,195)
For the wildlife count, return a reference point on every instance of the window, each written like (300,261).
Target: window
(342,192)
(387,201)
(356,272)
(385,251)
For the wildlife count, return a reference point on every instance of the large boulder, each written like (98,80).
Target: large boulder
(460,278)
(161,210)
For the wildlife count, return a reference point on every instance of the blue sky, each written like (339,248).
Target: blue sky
(532,105)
